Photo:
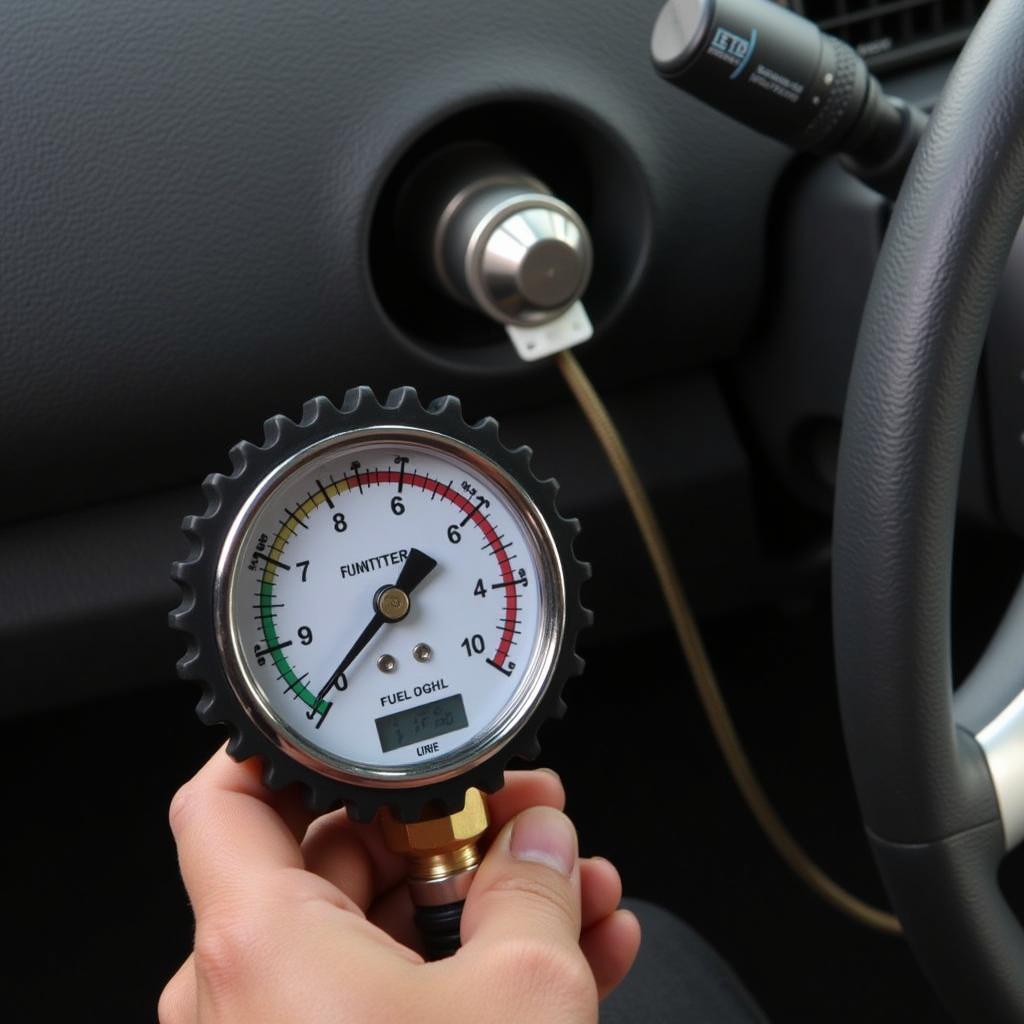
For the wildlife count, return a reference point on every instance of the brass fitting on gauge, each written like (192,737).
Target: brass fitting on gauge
(442,853)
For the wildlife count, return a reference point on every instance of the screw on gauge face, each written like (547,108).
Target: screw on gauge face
(386,663)
(422,652)
(393,603)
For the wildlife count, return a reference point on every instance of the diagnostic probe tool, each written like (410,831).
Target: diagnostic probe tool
(778,73)
(382,603)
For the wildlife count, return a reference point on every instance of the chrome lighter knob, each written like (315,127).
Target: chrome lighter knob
(512,250)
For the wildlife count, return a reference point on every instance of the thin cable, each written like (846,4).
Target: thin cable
(704,678)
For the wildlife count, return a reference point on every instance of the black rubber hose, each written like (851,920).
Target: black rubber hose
(440,929)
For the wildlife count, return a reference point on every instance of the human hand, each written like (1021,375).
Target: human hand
(303,920)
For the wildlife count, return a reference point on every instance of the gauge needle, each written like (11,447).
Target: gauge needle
(390,604)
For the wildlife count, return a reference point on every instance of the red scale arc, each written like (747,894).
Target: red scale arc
(510,620)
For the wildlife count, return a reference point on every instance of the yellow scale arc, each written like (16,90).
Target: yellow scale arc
(266,596)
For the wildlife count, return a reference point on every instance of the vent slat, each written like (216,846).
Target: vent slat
(865,12)
(882,29)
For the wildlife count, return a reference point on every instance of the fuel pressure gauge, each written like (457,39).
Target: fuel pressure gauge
(383,603)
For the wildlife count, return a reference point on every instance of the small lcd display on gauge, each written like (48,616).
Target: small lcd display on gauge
(422,723)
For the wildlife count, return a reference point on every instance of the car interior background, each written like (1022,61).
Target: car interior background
(212,213)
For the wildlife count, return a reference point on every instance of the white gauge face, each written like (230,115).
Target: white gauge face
(394,605)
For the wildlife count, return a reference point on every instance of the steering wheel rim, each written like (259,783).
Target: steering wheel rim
(940,780)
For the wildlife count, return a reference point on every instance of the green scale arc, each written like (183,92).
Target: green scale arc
(295,684)
(287,673)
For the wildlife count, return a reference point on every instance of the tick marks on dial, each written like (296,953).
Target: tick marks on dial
(273,561)
(520,581)
(400,461)
(481,502)
(261,656)
(294,515)
(501,547)
(295,686)
(323,491)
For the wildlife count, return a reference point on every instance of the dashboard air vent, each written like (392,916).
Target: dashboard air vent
(892,33)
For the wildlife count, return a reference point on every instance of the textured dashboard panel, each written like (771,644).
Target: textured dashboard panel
(187,191)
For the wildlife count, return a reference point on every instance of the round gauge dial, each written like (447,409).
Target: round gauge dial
(390,605)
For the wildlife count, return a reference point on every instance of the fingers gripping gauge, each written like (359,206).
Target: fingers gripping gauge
(382,603)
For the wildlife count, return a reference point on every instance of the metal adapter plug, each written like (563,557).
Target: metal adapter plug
(443,856)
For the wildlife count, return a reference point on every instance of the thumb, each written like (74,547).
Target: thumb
(528,886)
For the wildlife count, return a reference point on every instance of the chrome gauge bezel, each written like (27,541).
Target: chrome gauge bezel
(543,659)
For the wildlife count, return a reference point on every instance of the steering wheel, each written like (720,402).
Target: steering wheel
(940,777)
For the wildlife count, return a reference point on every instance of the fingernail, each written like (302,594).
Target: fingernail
(542,835)
(549,771)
